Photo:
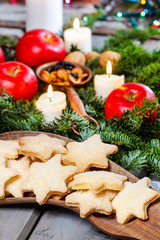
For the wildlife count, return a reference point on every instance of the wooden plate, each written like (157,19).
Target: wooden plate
(135,229)
(51,64)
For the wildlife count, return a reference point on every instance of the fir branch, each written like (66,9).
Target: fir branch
(134,160)
(96,68)
(64,126)
(74,48)
(153,157)
(18,115)
(8,45)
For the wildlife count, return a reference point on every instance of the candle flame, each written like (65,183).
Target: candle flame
(50,92)
(109,68)
(76,23)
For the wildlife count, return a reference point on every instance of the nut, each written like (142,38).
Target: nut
(109,55)
(92,55)
(76,57)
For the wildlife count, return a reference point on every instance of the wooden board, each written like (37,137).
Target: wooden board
(13,220)
(135,229)
(59,223)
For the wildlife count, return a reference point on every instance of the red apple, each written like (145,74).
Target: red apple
(18,79)
(126,97)
(2,58)
(40,46)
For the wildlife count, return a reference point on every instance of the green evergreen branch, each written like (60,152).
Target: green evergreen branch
(134,160)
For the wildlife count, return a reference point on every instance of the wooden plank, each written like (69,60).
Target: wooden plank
(12,24)
(13,220)
(33,220)
(59,223)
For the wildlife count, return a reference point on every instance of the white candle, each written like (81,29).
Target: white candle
(44,14)
(51,104)
(80,36)
(104,84)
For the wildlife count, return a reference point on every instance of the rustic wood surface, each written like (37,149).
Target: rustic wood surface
(44,222)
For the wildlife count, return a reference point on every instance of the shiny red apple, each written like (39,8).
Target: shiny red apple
(18,79)
(126,97)
(40,46)
(2,58)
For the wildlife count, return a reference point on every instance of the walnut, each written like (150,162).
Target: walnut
(76,57)
(109,55)
(92,55)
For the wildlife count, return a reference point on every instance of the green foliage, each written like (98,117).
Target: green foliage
(153,157)
(92,18)
(134,160)
(74,48)
(138,141)
(18,115)
(8,45)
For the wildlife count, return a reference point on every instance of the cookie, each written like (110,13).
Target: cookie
(90,153)
(21,166)
(133,200)
(9,148)
(7,175)
(90,202)
(41,146)
(98,181)
(48,178)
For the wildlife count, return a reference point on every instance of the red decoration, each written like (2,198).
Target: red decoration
(18,79)
(13,1)
(126,97)
(40,46)
(2,58)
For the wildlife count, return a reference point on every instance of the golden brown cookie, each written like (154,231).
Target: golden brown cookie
(133,200)
(98,181)
(48,178)
(41,146)
(9,148)
(7,175)
(21,166)
(90,202)
(90,153)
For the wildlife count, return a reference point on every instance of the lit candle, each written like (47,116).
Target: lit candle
(44,14)
(79,36)
(51,104)
(104,84)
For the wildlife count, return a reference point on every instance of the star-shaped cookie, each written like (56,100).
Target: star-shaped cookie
(90,202)
(21,166)
(10,148)
(41,146)
(7,175)
(98,181)
(133,200)
(90,153)
(48,178)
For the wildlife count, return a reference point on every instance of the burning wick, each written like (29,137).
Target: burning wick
(50,93)
(76,23)
(109,68)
